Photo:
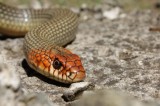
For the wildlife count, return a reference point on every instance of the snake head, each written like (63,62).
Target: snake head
(68,68)
(62,66)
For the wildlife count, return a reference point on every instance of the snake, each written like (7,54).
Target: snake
(46,31)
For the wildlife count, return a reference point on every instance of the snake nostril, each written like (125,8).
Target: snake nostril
(57,64)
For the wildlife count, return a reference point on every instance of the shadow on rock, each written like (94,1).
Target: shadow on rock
(5,37)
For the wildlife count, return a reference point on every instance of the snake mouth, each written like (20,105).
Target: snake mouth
(80,76)
(77,74)
(69,76)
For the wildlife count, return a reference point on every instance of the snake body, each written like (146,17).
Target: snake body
(46,31)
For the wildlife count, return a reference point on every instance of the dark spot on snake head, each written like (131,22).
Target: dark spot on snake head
(57,64)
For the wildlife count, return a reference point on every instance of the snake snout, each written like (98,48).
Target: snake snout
(78,73)
(73,68)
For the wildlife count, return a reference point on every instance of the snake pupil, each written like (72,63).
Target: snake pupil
(57,64)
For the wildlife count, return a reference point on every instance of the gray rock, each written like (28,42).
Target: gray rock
(33,99)
(7,97)
(105,97)
(76,89)
(9,76)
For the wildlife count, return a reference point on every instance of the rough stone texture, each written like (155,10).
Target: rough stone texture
(10,92)
(105,97)
(76,89)
(121,54)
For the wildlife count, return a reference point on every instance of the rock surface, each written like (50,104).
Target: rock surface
(119,54)
(106,97)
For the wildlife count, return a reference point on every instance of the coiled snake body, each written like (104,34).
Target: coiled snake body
(49,30)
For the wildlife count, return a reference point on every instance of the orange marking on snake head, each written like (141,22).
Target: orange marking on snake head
(38,58)
(46,63)
(69,65)
(40,65)
(43,52)
(78,63)
(71,69)
(51,55)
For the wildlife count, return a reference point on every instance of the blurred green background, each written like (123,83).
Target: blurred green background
(56,2)
(126,4)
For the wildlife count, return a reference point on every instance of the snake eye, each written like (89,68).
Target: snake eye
(57,64)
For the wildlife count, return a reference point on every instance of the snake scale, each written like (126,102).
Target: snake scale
(46,32)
